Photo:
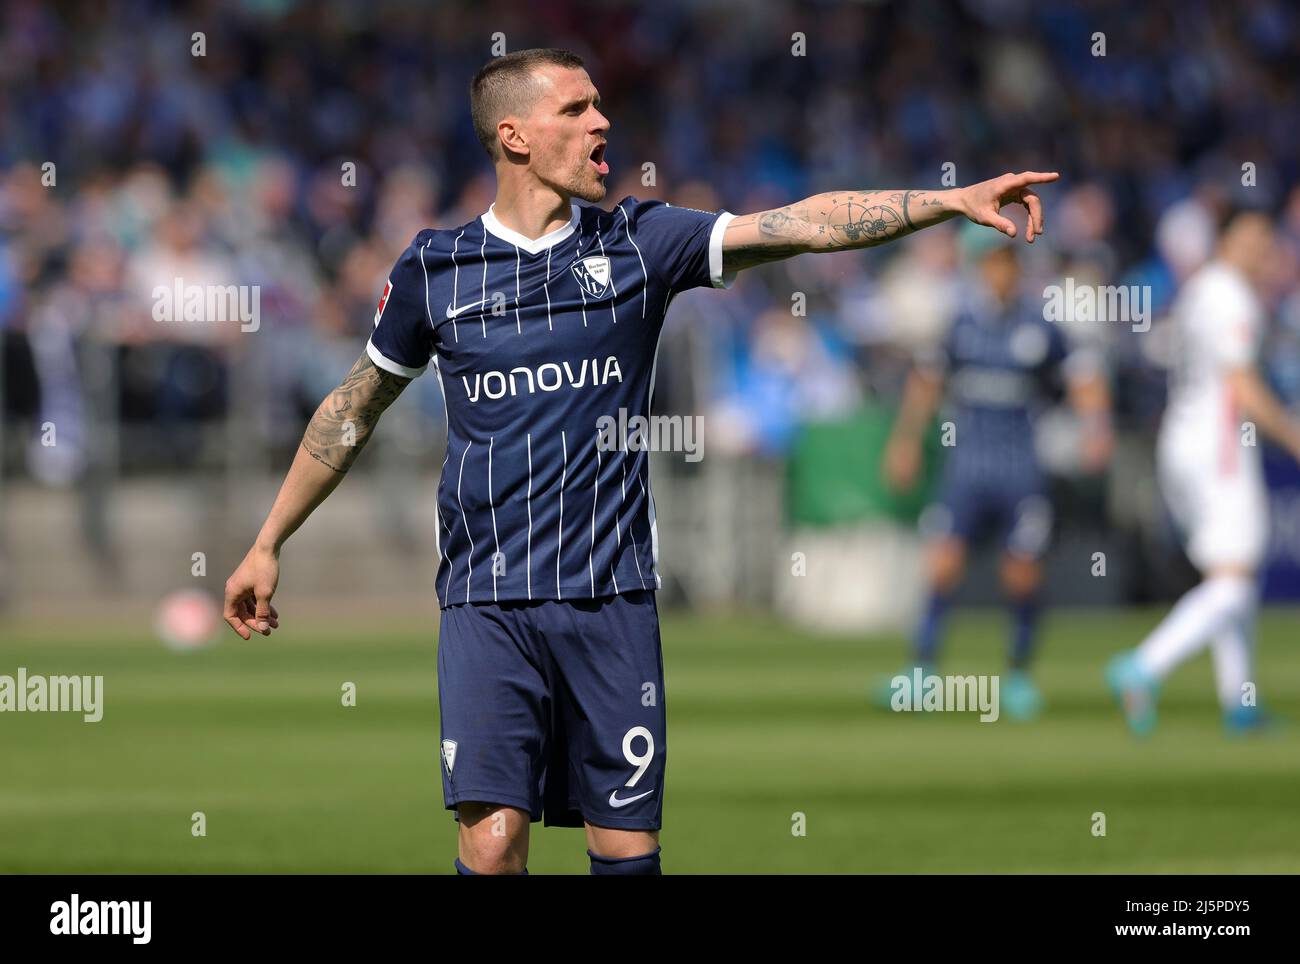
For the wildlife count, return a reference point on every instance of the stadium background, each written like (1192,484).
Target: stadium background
(170,440)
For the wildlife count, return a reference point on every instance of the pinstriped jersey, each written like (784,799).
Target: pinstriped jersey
(537,344)
(1002,365)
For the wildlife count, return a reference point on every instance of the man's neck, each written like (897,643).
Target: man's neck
(532,210)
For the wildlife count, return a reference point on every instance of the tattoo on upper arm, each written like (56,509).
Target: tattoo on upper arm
(343,422)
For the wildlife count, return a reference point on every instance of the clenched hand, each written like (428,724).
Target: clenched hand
(249,590)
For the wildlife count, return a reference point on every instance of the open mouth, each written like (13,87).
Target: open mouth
(597,158)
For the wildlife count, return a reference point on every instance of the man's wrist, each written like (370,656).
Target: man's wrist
(267,546)
(956,201)
(922,208)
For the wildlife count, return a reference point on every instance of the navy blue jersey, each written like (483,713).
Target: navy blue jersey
(1001,365)
(534,342)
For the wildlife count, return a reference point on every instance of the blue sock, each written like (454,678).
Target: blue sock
(926,650)
(1024,632)
(466,872)
(644,866)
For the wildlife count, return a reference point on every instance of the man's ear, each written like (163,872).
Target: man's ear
(512,138)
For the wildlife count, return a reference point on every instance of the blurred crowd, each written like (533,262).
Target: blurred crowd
(300,146)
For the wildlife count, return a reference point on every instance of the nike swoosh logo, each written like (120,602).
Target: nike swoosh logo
(615,802)
(460,311)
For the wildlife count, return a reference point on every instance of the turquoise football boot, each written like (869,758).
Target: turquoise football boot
(1249,721)
(1019,697)
(1136,690)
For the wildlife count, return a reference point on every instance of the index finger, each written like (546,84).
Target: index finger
(1036,177)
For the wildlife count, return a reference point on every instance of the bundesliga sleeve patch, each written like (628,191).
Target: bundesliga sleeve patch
(383,300)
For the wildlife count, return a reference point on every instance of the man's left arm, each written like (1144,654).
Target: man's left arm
(845,220)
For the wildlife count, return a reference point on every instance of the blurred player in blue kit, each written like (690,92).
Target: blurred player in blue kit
(999,365)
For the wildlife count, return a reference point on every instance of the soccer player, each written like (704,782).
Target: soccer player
(1212,480)
(541,318)
(997,368)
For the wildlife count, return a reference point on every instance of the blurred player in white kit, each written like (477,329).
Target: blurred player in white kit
(1211,476)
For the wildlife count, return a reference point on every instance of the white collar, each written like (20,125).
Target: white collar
(531,245)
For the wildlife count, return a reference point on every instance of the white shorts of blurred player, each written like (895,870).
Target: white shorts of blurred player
(1218,498)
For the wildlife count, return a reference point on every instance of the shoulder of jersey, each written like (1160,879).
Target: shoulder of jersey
(592,214)
(442,239)
(431,246)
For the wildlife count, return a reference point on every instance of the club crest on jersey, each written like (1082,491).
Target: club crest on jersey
(383,300)
(593,275)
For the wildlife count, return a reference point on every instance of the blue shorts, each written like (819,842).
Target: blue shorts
(1014,511)
(556,708)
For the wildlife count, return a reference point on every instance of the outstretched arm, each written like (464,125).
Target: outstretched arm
(844,220)
(334,437)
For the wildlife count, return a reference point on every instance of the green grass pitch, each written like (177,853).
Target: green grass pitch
(763,722)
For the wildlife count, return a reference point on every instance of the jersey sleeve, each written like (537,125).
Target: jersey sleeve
(683,246)
(402,339)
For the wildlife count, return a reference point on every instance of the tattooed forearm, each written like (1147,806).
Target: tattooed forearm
(343,422)
(831,222)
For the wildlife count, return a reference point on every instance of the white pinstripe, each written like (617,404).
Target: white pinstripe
(611,279)
(546,287)
(582,292)
(559,543)
(491,505)
(595,498)
(483,294)
(529,503)
(463,521)
(455,284)
(627,226)
(428,310)
(518,326)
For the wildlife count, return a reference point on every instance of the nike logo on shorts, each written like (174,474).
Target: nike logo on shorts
(615,802)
